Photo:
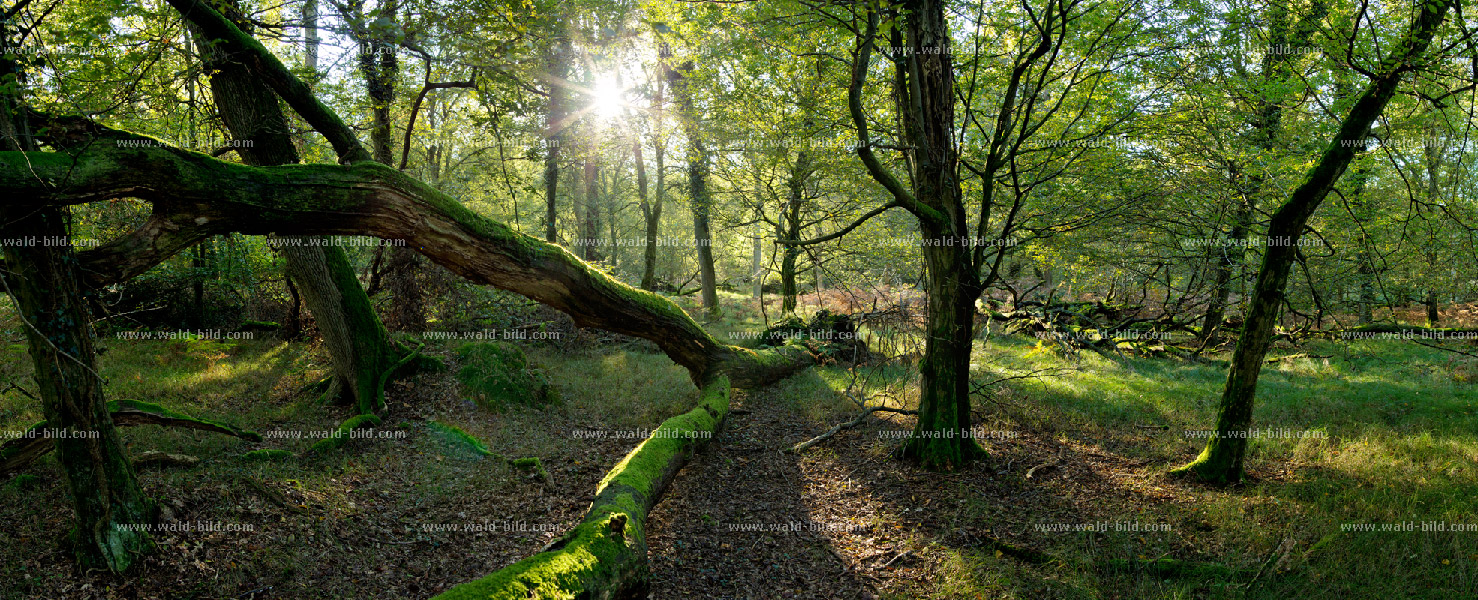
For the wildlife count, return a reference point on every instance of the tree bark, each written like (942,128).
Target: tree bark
(659,141)
(554,85)
(590,222)
(1223,458)
(924,98)
(790,228)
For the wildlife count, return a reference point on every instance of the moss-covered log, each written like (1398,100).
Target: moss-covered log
(605,556)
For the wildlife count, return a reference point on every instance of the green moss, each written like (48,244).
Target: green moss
(531,464)
(606,552)
(499,376)
(341,435)
(22,482)
(269,454)
(135,405)
(460,442)
(586,560)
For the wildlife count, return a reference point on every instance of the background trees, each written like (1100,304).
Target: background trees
(1088,168)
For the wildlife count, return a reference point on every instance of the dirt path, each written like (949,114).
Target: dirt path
(737,523)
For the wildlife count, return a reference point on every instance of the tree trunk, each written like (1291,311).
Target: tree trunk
(42,281)
(197,286)
(942,439)
(310,35)
(1230,255)
(924,100)
(1360,205)
(605,556)
(757,262)
(789,222)
(357,342)
(590,223)
(1222,459)
(1434,160)
(554,85)
(698,188)
(659,140)
(787,279)
(654,223)
(380,67)
(109,504)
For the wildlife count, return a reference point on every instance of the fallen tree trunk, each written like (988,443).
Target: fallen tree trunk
(17,453)
(605,556)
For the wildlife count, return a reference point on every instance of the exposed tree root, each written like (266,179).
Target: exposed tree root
(164,459)
(17,453)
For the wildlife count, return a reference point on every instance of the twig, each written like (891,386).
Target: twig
(798,448)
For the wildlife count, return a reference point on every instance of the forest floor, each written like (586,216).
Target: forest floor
(1387,439)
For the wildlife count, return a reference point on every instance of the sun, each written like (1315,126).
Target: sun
(608,98)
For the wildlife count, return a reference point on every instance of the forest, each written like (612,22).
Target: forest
(738,299)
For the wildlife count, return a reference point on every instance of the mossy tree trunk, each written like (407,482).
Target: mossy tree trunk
(105,492)
(925,100)
(358,344)
(1222,460)
(42,281)
(363,198)
(941,438)
(789,225)
(605,556)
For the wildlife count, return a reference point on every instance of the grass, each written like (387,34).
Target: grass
(1396,444)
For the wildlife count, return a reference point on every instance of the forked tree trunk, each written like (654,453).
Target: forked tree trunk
(1223,458)
(653,213)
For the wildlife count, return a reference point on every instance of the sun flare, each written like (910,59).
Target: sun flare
(608,98)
